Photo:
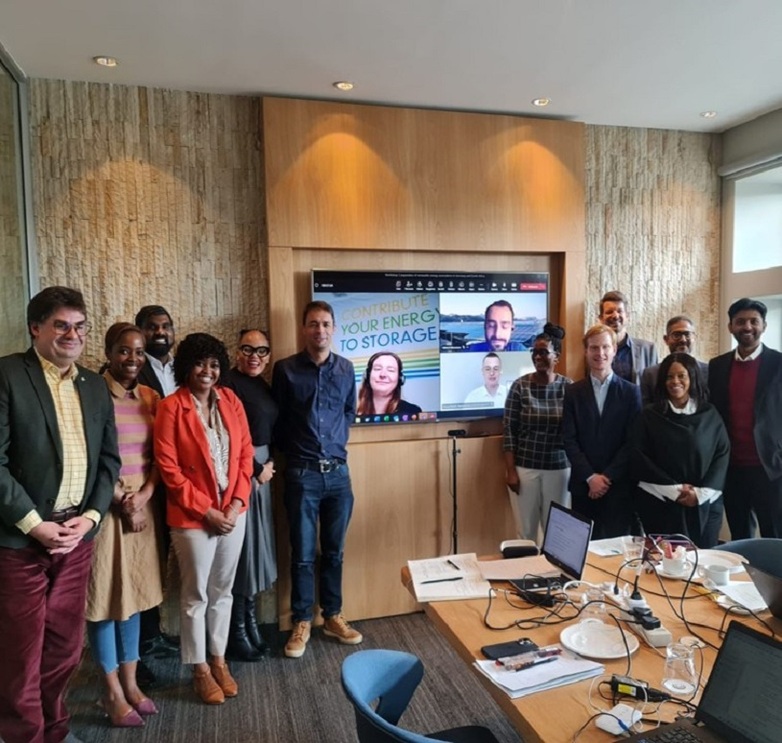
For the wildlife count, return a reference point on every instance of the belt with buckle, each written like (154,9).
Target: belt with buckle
(321,465)
(60,517)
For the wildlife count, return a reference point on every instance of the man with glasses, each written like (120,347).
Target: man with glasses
(491,393)
(58,466)
(680,338)
(158,328)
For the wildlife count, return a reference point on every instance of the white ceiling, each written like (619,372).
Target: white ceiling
(645,63)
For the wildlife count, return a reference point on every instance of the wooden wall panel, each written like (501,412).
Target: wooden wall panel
(147,196)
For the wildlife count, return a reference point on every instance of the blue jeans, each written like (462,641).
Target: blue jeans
(113,642)
(310,496)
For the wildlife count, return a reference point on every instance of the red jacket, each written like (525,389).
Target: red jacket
(185,464)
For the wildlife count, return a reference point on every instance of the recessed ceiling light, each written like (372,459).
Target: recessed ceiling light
(708,114)
(541,102)
(343,85)
(105,61)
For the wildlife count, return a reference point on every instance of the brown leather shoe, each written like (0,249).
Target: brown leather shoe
(224,679)
(208,690)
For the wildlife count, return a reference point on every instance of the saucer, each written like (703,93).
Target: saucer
(730,560)
(675,576)
(594,639)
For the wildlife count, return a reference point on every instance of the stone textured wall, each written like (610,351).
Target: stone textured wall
(653,227)
(147,196)
(13,295)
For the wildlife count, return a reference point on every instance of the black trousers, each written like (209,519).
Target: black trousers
(750,495)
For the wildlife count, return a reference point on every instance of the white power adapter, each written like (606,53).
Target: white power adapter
(610,721)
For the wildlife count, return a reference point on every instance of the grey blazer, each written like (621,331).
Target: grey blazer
(644,355)
(31,457)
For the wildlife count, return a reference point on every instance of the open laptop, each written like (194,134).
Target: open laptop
(742,701)
(563,555)
(769,587)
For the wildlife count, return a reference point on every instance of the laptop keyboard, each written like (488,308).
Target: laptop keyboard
(673,735)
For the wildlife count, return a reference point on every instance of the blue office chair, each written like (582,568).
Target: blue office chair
(763,553)
(390,678)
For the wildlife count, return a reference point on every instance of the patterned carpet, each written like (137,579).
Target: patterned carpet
(298,700)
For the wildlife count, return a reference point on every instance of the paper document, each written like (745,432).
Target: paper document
(448,578)
(607,547)
(567,669)
(745,594)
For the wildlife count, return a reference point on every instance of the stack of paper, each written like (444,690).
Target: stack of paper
(567,669)
(448,578)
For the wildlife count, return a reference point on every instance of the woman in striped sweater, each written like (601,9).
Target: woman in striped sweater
(126,570)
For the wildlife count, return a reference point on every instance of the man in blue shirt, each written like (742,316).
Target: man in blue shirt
(498,324)
(633,355)
(316,393)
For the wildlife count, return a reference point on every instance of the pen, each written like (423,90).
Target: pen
(453,564)
(441,580)
(531,655)
(524,666)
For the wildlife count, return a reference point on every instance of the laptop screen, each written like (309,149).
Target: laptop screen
(743,699)
(566,540)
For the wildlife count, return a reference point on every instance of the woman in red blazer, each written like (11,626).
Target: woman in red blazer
(205,457)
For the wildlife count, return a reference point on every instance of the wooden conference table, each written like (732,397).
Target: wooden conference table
(554,716)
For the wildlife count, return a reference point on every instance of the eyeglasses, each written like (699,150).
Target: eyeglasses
(63,328)
(540,352)
(678,335)
(260,351)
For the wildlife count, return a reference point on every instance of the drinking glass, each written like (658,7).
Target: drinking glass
(633,549)
(594,605)
(679,677)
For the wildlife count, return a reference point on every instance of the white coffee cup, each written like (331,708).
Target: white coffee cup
(674,565)
(719,575)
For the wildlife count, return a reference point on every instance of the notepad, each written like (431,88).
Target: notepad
(448,578)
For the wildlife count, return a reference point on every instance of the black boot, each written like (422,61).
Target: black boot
(239,646)
(251,624)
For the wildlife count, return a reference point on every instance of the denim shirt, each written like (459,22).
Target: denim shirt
(317,405)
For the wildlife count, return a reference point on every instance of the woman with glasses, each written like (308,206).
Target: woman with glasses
(257,570)
(205,457)
(536,467)
(680,456)
(126,575)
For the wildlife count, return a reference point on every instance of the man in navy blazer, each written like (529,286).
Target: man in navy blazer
(746,389)
(633,355)
(58,467)
(596,421)
(680,338)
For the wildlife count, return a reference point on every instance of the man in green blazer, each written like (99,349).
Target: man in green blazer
(58,467)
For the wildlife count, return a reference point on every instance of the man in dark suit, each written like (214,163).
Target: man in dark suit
(680,338)
(58,466)
(158,373)
(746,388)
(633,355)
(596,420)
(158,328)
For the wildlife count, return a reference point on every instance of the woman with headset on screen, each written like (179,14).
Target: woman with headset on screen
(381,387)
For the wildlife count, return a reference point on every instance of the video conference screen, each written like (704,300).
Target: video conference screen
(433,345)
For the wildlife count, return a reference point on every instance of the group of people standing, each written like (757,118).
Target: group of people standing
(99,474)
(644,447)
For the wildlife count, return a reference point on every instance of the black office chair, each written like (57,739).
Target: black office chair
(390,678)
(763,553)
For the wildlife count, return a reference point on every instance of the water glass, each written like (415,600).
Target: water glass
(594,605)
(679,677)
(633,549)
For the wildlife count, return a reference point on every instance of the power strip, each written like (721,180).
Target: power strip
(658,637)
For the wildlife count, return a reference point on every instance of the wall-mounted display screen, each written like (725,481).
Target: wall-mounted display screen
(433,345)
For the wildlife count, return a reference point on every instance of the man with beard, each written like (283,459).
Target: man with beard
(680,338)
(158,373)
(498,324)
(746,389)
(158,329)
(633,355)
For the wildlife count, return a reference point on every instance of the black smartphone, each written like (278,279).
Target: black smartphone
(508,649)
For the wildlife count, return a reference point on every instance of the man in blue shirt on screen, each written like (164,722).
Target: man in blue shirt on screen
(498,324)
(316,393)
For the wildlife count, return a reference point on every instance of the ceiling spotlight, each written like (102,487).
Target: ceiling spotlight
(105,61)
(708,114)
(343,85)
(541,102)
